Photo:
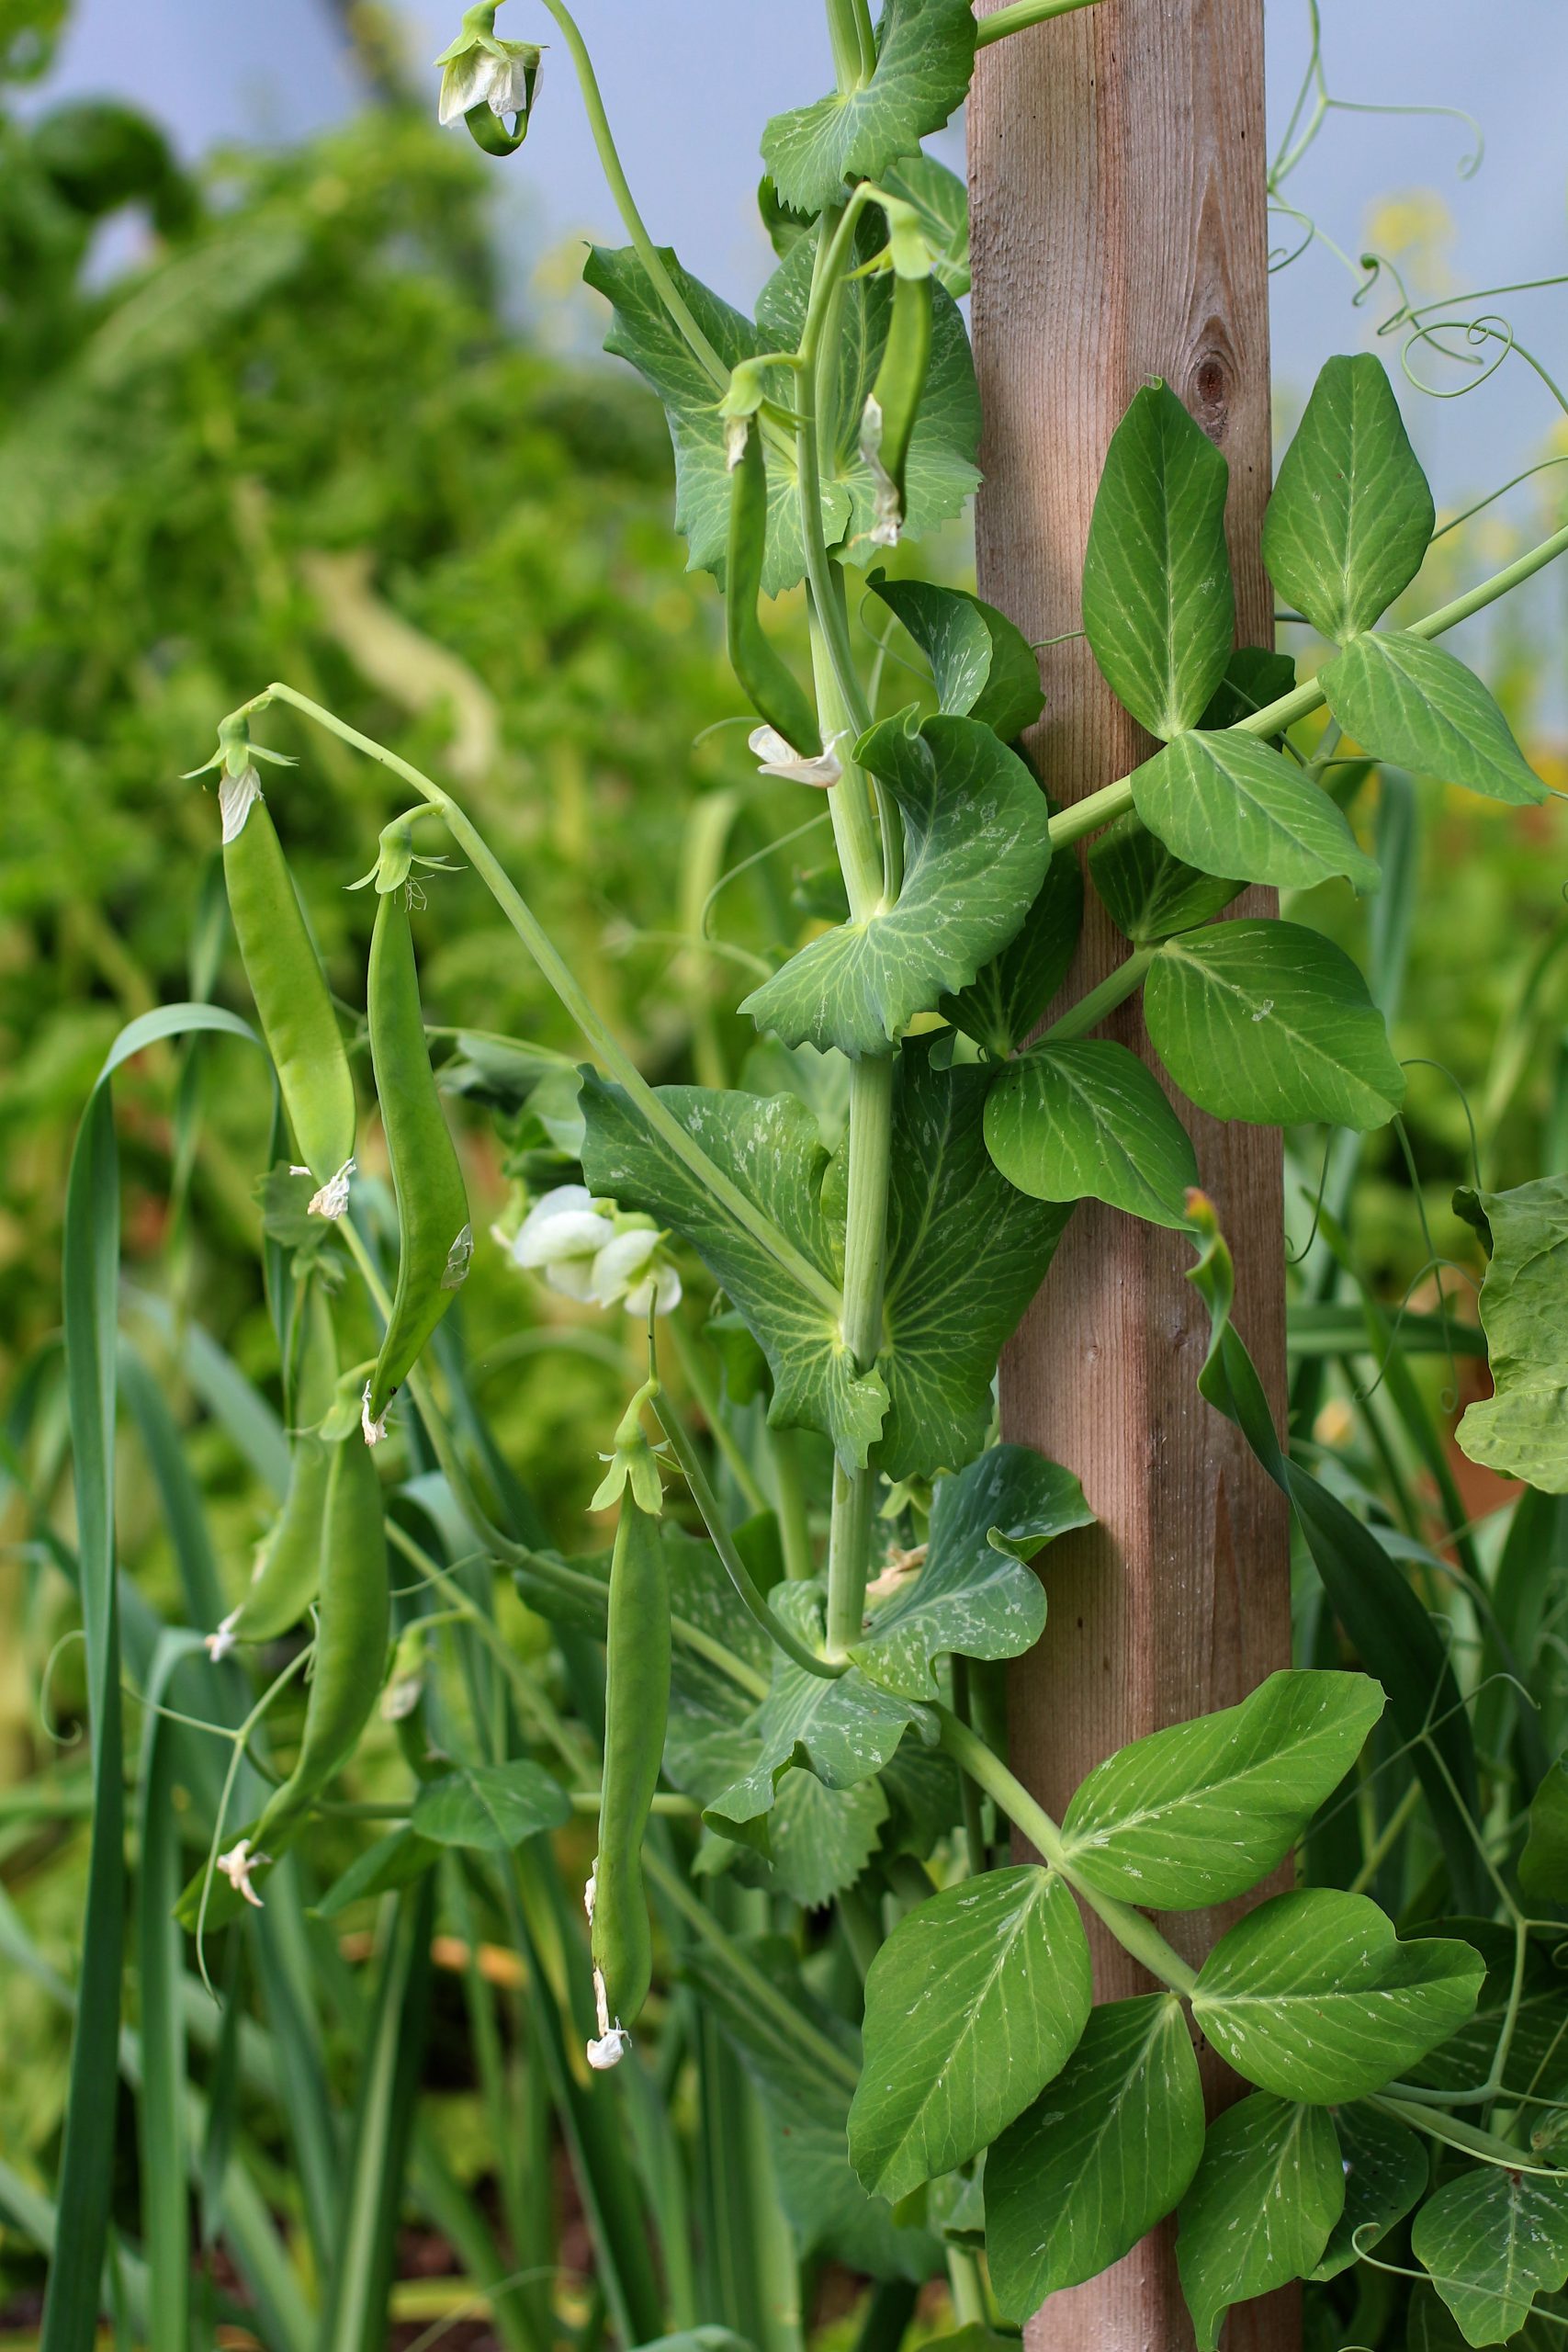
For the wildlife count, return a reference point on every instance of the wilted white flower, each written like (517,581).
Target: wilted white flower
(237,1865)
(478,70)
(778,758)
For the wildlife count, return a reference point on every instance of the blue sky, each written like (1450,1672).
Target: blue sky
(688,83)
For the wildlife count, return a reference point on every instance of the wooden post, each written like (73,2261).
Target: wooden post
(1117,192)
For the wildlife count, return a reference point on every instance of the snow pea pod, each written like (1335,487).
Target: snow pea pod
(434,1238)
(760,669)
(290,991)
(892,403)
(636,1703)
(287,1568)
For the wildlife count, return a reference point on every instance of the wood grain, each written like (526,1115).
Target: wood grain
(1117,191)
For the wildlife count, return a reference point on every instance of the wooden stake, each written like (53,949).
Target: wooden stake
(1116,165)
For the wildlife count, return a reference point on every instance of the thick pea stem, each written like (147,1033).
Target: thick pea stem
(1131,1931)
(1114,800)
(1094,1007)
(1022,14)
(574,998)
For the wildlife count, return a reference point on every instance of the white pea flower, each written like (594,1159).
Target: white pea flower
(480,70)
(561,1236)
(625,1269)
(778,758)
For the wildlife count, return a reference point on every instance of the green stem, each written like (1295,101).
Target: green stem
(849,801)
(1114,800)
(848,53)
(694,1372)
(1093,1007)
(626,204)
(794,1527)
(1135,1934)
(865,1253)
(613,1055)
(1020,15)
(1382,1845)
(1465,2137)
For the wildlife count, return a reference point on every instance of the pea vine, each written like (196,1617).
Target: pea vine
(863,1234)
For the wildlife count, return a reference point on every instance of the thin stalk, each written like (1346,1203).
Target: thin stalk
(694,1372)
(794,1527)
(613,1055)
(968,1791)
(1114,800)
(1020,14)
(1135,1934)
(1094,1007)
(1487,2145)
(865,1258)
(1382,1845)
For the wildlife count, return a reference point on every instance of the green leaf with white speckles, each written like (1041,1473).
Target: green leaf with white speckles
(973,1594)
(1267,2195)
(1314,1996)
(1521,1429)
(1106,2150)
(925,57)
(1386,2170)
(974,2001)
(1493,2239)
(976,839)
(1197,1813)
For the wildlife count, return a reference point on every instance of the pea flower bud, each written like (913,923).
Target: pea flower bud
(484,79)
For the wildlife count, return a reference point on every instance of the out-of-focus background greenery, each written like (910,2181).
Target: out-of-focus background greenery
(291,426)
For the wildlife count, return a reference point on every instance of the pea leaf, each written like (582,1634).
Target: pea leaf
(1006,998)
(770,1147)
(941,201)
(1148,892)
(941,472)
(965,1254)
(976,847)
(974,2001)
(925,57)
(1267,2195)
(1083,1120)
(1227,804)
(1197,1813)
(1385,2172)
(973,1594)
(1314,1996)
(982,666)
(393,1861)
(1268,1021)
(820,1839)
(1158,608)
(1351,516)
(1492,2241)
(1521,1429)
(1103,2155)
(1544,1865)
(491,1806)
(1412,704)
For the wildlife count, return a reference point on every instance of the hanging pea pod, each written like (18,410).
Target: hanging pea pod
(892,403)
(760,669)
(284,1581)
(287,981)
(434,1239)
(346,1674)
(636,1705)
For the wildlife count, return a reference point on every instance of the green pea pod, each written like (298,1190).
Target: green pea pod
(289,988)
(766,677)
(287,1568)
(894,403)
(346,1675)
(435,1240)
(636,1702)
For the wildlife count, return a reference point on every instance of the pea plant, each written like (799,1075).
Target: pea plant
(767,1727)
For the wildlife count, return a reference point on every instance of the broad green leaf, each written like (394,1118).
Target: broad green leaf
(942,200)
(975,2000)
(1351,516)
(925,57)
(1158,609)
(492,1806)
(1312,1995)
(1544,1865)
(1268,1021)
(1414,705)
(973,1594)
(771,1149)
(1386,2170)
(940,473)
(1083,1120)
(965,1255)
(1104,2153)
(1197,1813)
(820,1839)
(1227,805)
(1521,1429)
(1005,999)
(389,1863)
(1148,892)
(1493,2239)
(982,666)
(976,847)
(1267,2195)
